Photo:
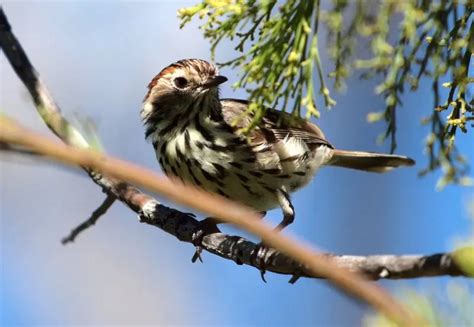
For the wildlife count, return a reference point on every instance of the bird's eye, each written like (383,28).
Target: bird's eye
(180,82)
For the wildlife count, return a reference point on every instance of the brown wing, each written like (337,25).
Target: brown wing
(276,125)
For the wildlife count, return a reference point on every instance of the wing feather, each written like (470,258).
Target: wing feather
(276,125)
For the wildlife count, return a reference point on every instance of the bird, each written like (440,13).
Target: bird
(198,137)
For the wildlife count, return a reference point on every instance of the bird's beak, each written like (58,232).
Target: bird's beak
(214,81)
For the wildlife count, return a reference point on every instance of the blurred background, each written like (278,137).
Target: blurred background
(97,58)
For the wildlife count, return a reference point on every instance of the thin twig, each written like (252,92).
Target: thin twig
(99,212)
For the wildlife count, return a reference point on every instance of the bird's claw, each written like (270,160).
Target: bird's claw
(197,239)
(260,253)
(206,226)
(262,275)
(190,214)
(294,278)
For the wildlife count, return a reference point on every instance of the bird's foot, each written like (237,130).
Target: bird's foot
(295,277)
(259,256)
(206,226)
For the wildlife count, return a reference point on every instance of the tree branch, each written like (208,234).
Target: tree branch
(99,212)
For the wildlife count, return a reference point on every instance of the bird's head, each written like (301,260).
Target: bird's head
(183,82)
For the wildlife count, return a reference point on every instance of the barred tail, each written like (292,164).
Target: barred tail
(373,162)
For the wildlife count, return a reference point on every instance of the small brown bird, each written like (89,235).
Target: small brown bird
(195,139)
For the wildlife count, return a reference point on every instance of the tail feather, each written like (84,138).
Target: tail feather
(368,161)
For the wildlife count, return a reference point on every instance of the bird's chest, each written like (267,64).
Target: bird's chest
(197,152)
(207,154)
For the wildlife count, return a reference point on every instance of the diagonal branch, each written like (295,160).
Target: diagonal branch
(99,212)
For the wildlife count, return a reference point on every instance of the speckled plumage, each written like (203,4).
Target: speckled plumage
(194,139)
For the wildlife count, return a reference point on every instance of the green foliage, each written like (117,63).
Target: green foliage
(279,57)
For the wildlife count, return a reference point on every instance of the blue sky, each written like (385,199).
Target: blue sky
(97,58)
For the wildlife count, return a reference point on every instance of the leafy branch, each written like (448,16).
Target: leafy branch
(279,59)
